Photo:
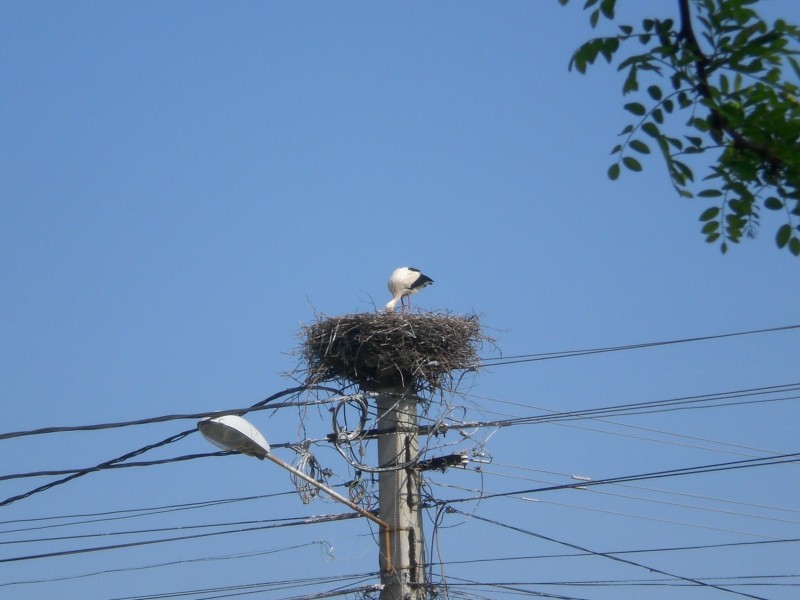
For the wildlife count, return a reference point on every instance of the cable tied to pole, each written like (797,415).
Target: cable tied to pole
(340,431)
(308,464)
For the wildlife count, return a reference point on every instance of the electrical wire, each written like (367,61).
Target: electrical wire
(251,588)
(563,416)
(305,521)
(655,406)
(735,448)
(258,406)
(129,513)
(298,389)
(101,466)
(238,556)
(754,544)
(111,534)
(169,440)
(606,555)
(512,588)
(486,471)
(523,358)
(711,468)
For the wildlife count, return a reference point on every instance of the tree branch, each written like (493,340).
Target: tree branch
(717,121)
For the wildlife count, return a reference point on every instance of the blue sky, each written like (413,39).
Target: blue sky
(182,185)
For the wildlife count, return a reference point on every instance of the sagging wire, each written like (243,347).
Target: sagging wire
(359,493)
(341,432)
(437,521)
(101,466)
(350,440)
(308,464)
(169,440)
(345,440)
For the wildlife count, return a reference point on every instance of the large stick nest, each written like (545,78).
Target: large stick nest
(386,349)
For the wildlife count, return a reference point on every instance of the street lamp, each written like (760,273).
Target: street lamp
(232,432)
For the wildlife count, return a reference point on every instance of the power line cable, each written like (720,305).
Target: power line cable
(101,466)
(306,521)
(640,498)
(111,534)
(735,448)
(128,513)
(523,358)
(262,405)
(754,544)
(124,457)
(144,463)
(298,389)
(635,408)
(604,555)
(186,561)
(739,581)
(711,468)
(252,588)
(512,588)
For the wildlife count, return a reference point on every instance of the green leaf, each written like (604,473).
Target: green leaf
(608,8)
(631,84)
(794,246)
(640,146)
(608,47)
(773,203)
(632,163)
(684,170)
(699,124)
(655,92)
(723,84)
(710,193)
(710,227)
(578,62)
(635,108)
(675,143)
(784,235)
(613,172)
(658,116)
(651,129)
(709,213)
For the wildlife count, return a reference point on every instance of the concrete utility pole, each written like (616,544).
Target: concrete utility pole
(399,496)
(397,357)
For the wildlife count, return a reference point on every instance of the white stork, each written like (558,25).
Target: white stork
(404,282)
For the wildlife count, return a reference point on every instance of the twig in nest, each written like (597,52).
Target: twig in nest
(381,350)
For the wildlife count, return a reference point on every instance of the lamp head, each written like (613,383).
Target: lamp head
(232,432)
